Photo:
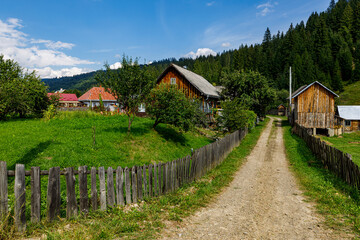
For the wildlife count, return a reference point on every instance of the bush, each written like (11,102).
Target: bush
(235,116)
(168,104)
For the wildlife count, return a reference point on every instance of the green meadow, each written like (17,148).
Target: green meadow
(76,139)
(348,142)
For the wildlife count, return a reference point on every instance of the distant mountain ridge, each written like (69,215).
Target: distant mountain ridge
(82,82)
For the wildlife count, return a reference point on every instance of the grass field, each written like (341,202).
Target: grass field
(145,220)
(348,142)
(350,95)
(69,141)
(335,200)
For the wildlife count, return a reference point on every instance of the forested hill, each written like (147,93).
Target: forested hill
(326,48)
(81,82)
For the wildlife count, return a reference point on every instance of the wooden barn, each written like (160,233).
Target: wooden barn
(281,110)
(193,85)
(349,117)
(313,106)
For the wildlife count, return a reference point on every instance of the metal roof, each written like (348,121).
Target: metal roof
(349,112)
(196,80)
(303,89)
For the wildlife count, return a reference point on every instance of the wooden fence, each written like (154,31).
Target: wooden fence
(338,162)
(130,186)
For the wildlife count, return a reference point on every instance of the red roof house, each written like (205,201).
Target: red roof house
(66,99)
(92,97)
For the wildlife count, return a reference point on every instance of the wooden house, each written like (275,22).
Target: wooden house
(281,110)
(193,85)
(349,117)
(313,106)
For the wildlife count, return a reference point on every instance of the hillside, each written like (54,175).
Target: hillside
(351,95)
(81,82)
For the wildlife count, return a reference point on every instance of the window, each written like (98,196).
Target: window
(347,123)
(172,81)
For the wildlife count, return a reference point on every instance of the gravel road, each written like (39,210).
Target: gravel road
(262,202)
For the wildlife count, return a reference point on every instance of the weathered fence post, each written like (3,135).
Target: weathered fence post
(53,194)
(71,204)
(83,191)
(160,177)
(146,190)
(166,177)
(134,184)
(93,189)
(150,180)
(155,179)
(119,187)
(19,189)
(139,173)
(110,187)
(3,191)
(102,188)
(35,194)
(127,186)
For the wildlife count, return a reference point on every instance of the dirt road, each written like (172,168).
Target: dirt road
(263,202)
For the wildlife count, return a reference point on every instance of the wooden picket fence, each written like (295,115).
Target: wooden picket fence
(131,184)
(338,162)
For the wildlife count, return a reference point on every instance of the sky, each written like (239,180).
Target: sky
(69,37)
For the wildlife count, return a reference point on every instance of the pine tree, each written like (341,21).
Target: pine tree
(331,6)
(345,62)
(336,83)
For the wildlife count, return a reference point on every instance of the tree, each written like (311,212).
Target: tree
(21,93)
(130,84)
(336,80)
(168,104)
(235,115)
(251,87)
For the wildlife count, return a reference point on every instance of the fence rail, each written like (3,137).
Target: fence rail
(130,186)
(335,160)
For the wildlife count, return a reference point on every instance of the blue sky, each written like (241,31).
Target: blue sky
(59,38)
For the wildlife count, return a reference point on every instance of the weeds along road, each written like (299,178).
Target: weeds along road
(262,202)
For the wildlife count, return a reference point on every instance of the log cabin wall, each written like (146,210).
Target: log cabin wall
(314,108)
(183,84)
(355,126)
(188,89)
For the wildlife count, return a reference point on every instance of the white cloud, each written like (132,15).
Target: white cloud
(266,8)
(226,44)
(48,72)
(200,52)
(53,45)
(37,54)
(209,4)
(115,65)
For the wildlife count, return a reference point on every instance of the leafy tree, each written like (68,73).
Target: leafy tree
(235,115)
(21,93)
(168,104)
(251,88)
(130,84)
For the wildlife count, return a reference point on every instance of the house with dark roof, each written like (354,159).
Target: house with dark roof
(313,106)
(349,117)
(92,98)
(193,85)
(66,99)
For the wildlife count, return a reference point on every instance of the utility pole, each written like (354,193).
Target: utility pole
(290,92)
